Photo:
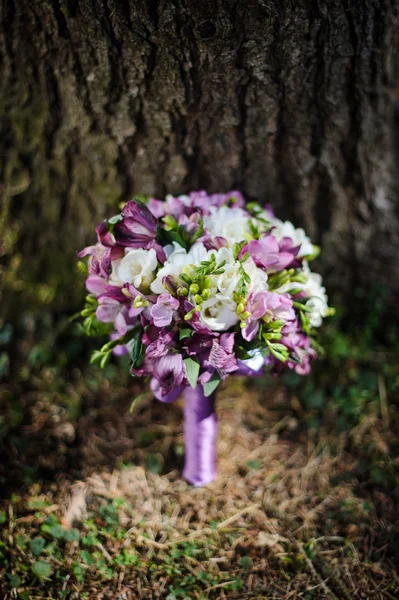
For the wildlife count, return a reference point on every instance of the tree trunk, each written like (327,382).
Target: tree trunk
(288,101)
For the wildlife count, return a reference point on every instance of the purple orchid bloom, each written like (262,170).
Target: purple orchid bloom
(164,311)
(138,226)
(267,254)
(169,372)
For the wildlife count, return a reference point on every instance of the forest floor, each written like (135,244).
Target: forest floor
(305,504)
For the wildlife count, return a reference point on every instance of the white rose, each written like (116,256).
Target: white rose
(219,313)
(298,236)
(137,267)
(230,223)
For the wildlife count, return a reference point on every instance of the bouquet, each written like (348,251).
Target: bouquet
(199,287)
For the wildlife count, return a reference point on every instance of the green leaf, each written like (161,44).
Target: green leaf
(115,219)
(3,517)
(137,351)
(72,535)
(36,546)
(165,237)
(42,569)
(105,359)
(192,370)
(136,401)
(154,463)
(96,356)
(185,333)
(212,384)
(56,531)
(245,562)
(254,463)
(15,580)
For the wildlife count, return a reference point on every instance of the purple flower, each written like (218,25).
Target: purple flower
(221,356)
(112,311)
(164,310)
(268,255)
(171,396)
(169,372)
(301,352)
(157,207)
(96,285)
(269,306)
(101,258)
(165,340)
(104,236)
(138,226)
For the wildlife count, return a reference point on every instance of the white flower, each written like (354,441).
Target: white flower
(136,267)
(298,236)
(177,259)
(114,279)
(226,283)
(219,313)
(318,300)
(256,361)
(258,276)
(230,223)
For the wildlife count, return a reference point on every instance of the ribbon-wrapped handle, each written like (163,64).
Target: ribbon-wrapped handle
(200,434)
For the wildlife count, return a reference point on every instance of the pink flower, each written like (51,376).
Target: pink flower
(267,254)
(268,305)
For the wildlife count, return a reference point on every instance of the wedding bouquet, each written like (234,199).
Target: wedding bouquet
(198,287)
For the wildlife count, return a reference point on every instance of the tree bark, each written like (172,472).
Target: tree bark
(288,101)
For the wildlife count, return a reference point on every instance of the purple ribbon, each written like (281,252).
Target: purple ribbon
(200,426)
(200,433)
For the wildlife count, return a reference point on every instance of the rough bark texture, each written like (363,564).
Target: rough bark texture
(288,101)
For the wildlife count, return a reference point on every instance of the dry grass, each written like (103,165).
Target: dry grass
(288,517)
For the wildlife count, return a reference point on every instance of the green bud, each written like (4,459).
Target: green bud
(242,324)
(278,324)
(170,221)
(206,294)
(207,282)
(245,315)
(189,315)
(240,308)
(182,291)
(185,278)
(194,288)
(198,299)
(138,301)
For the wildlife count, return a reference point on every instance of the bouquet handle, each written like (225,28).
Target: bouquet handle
(200,434)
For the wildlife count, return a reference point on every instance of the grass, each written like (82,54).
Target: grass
(305,504)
